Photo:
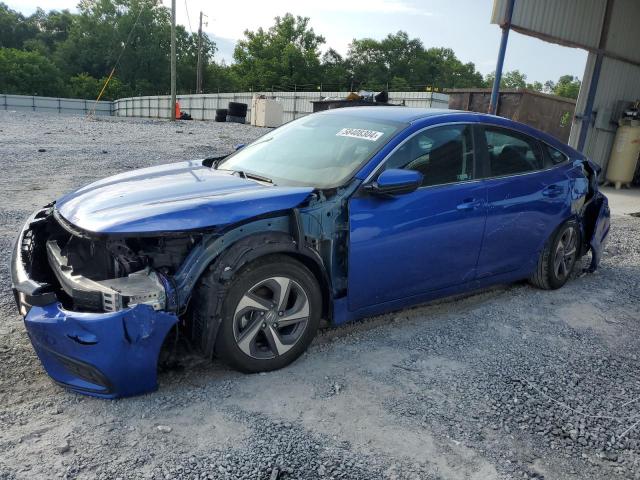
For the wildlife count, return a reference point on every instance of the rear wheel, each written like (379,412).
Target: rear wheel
(269,316)
(558,258)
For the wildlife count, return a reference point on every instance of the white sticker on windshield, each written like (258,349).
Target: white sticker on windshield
(370,135)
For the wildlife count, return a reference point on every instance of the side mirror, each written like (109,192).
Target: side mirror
(239,146)
(395,181)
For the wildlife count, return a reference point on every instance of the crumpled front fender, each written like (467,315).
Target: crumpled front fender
(106,355)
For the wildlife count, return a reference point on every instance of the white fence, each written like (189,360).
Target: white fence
(54,105)
(296,104)
(200,107)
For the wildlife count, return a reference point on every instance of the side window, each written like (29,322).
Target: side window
(441,154)
(511,153)
(554,156)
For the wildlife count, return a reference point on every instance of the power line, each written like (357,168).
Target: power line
(188,19)
(124,46)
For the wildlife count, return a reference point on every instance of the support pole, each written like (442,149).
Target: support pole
(199,64)
(587,114)
(172,106)
(588,108)
(506,27)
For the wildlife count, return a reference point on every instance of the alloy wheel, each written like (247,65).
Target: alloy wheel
(565,254)
(271,317)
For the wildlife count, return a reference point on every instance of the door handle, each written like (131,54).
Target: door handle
(553,191)
(469,204)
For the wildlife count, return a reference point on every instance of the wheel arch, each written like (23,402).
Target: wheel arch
(215,279)
(552,233)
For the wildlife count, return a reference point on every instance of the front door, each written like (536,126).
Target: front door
(429,239)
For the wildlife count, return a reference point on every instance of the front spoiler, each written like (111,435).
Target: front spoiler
(107,355)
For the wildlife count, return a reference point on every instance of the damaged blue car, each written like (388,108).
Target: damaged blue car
(332,217)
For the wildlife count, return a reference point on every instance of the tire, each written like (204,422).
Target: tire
(558,257)
(251,337)
(231,118)
(237,109)
(221,115)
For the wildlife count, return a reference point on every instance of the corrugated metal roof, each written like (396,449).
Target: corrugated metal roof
(624,30)
(579,23)
(576,22)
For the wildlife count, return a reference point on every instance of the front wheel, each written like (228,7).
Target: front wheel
(558,257)
(270,315)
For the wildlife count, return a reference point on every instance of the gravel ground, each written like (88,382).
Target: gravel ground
(512,382)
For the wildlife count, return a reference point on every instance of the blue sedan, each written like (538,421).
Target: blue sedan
(332,217)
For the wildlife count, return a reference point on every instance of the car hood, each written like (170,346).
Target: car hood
(175,197)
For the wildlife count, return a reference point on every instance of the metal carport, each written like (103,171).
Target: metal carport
(610,31)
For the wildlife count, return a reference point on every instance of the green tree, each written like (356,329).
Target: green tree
(287,53)
(335,72)
(29,73)
(144,63)
(514,79)
(109,23)
(366,63)
(374,64)
(510,79)
(567,86)
(445,70)
(52,27)
(15,29)
(85,86)
(536,85)
(220,78)
(86,46)
(399,84)
(187,60)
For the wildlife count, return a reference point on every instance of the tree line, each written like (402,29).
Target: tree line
(64,54)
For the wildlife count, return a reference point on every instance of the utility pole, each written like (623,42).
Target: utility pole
(172,106)
(199,66)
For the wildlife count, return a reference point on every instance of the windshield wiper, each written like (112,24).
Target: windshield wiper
(213,162)
(251,175)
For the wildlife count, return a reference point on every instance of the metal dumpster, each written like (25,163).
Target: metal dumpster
(320,105)
(549,113)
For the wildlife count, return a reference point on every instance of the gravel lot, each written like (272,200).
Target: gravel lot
(508,383)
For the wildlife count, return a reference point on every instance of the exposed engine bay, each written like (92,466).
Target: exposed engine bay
(103,274)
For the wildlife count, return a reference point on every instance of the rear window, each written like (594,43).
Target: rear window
(511,153)
(555,156)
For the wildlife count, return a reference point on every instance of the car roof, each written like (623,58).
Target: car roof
(396,114)
(414,114)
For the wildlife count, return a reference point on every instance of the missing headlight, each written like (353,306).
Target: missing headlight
(110,295)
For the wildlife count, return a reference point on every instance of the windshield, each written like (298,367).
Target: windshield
(317,150)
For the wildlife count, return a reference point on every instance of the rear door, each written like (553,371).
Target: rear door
(527,195)
(409,244)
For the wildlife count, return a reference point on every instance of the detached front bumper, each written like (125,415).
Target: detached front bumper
(106,355)
(109,355)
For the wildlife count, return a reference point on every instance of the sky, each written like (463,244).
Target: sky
(462,25)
